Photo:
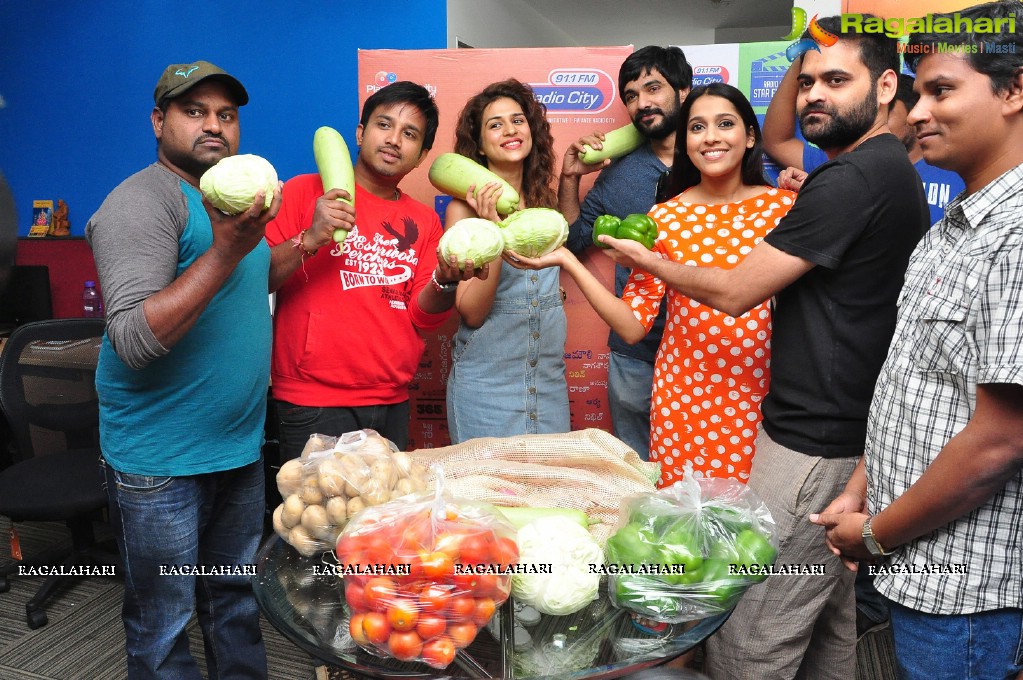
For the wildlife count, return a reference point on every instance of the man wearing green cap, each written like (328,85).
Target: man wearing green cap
(182,381)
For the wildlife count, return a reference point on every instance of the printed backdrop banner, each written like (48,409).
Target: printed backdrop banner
(579,87)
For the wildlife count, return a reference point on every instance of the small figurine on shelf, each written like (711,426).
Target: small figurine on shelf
(61,225)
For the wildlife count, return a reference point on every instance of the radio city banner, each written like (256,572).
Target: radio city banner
(579,88)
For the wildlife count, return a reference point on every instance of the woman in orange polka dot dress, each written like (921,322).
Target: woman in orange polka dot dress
(712,370)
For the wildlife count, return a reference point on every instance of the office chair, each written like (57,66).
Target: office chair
(48,395)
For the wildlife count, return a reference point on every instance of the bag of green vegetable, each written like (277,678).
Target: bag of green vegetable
(690,550)
(472,238)
(336,478)
(232,184)
(534,232)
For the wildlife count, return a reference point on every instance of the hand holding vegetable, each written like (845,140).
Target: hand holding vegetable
(574,165)
(334,163)
(334,210)
(637,227)
(558,258)
(484,201)
(234,236)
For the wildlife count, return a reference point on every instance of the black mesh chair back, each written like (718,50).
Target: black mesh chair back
(48,396)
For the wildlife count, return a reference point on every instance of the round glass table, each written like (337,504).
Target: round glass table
(304,600)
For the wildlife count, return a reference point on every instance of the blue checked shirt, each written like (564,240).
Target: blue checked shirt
(960,324)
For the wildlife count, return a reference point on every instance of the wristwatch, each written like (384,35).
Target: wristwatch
(872,545)
(449,287)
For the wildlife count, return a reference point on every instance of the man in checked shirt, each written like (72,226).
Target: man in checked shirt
(937,500)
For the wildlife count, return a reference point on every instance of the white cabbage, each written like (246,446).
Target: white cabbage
(569,549)
(231,185)
(472,238)
(534,232)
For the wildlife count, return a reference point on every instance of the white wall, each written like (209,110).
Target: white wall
(502,23)
(514,23)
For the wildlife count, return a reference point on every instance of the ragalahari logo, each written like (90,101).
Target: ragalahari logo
(818,36)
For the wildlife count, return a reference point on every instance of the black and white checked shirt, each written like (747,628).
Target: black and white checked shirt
(960,324)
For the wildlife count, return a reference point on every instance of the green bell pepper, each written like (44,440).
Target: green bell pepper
(636,227)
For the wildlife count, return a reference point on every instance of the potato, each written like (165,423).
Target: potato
(384,471)
(316,443)
(293,509)
(403,487)
(354,466)
(403,463)
(337,512)
(314,520)
(354,487)
(289,477)
(301,541)
(310,491)
(354,506)
(278,523)
(331,478)
(375,445)
(376,492)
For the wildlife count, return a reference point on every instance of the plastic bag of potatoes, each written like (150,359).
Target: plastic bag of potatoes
(333,480)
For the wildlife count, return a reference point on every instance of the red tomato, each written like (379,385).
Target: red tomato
(438,565)
(404,646)
(431,625)
(355,596)
(403,614)
(462,634)
(439,653)
(376,627)
(476,548)
(465,581)
(504,552)
(483,611)
(460,608)
(434,598)
(356,629)
(380,592)
(488,585)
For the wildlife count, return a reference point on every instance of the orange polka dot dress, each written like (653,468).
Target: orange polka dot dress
(712,370)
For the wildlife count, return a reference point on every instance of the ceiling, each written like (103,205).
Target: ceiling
(605,22)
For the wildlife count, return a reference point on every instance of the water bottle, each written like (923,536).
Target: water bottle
(92,304)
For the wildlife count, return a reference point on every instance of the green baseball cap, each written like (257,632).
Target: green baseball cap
(179,78)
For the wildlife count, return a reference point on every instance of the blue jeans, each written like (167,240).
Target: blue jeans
(297,423)
(983,646)
(164,523)
(629,384)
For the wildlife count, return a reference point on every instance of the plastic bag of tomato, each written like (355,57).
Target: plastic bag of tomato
(423,574)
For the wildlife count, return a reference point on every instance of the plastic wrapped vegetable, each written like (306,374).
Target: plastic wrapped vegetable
(333,480)
(636,227)
(690,550)
(423,575)
(569,549)
(534,232)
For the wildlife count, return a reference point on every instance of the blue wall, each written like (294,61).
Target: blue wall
(77,81)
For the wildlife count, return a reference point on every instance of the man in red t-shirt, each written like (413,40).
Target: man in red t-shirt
(349,315)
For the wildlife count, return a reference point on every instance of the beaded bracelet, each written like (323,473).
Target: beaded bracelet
(297,243)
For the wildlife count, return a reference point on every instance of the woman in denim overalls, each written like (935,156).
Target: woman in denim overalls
(508,370)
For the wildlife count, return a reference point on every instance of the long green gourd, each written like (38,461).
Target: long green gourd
(335,166)
(616,143)
(453,174)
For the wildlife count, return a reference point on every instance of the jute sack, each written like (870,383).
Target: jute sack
(588,470)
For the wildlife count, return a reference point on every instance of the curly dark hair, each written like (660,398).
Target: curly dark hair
(538,172)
